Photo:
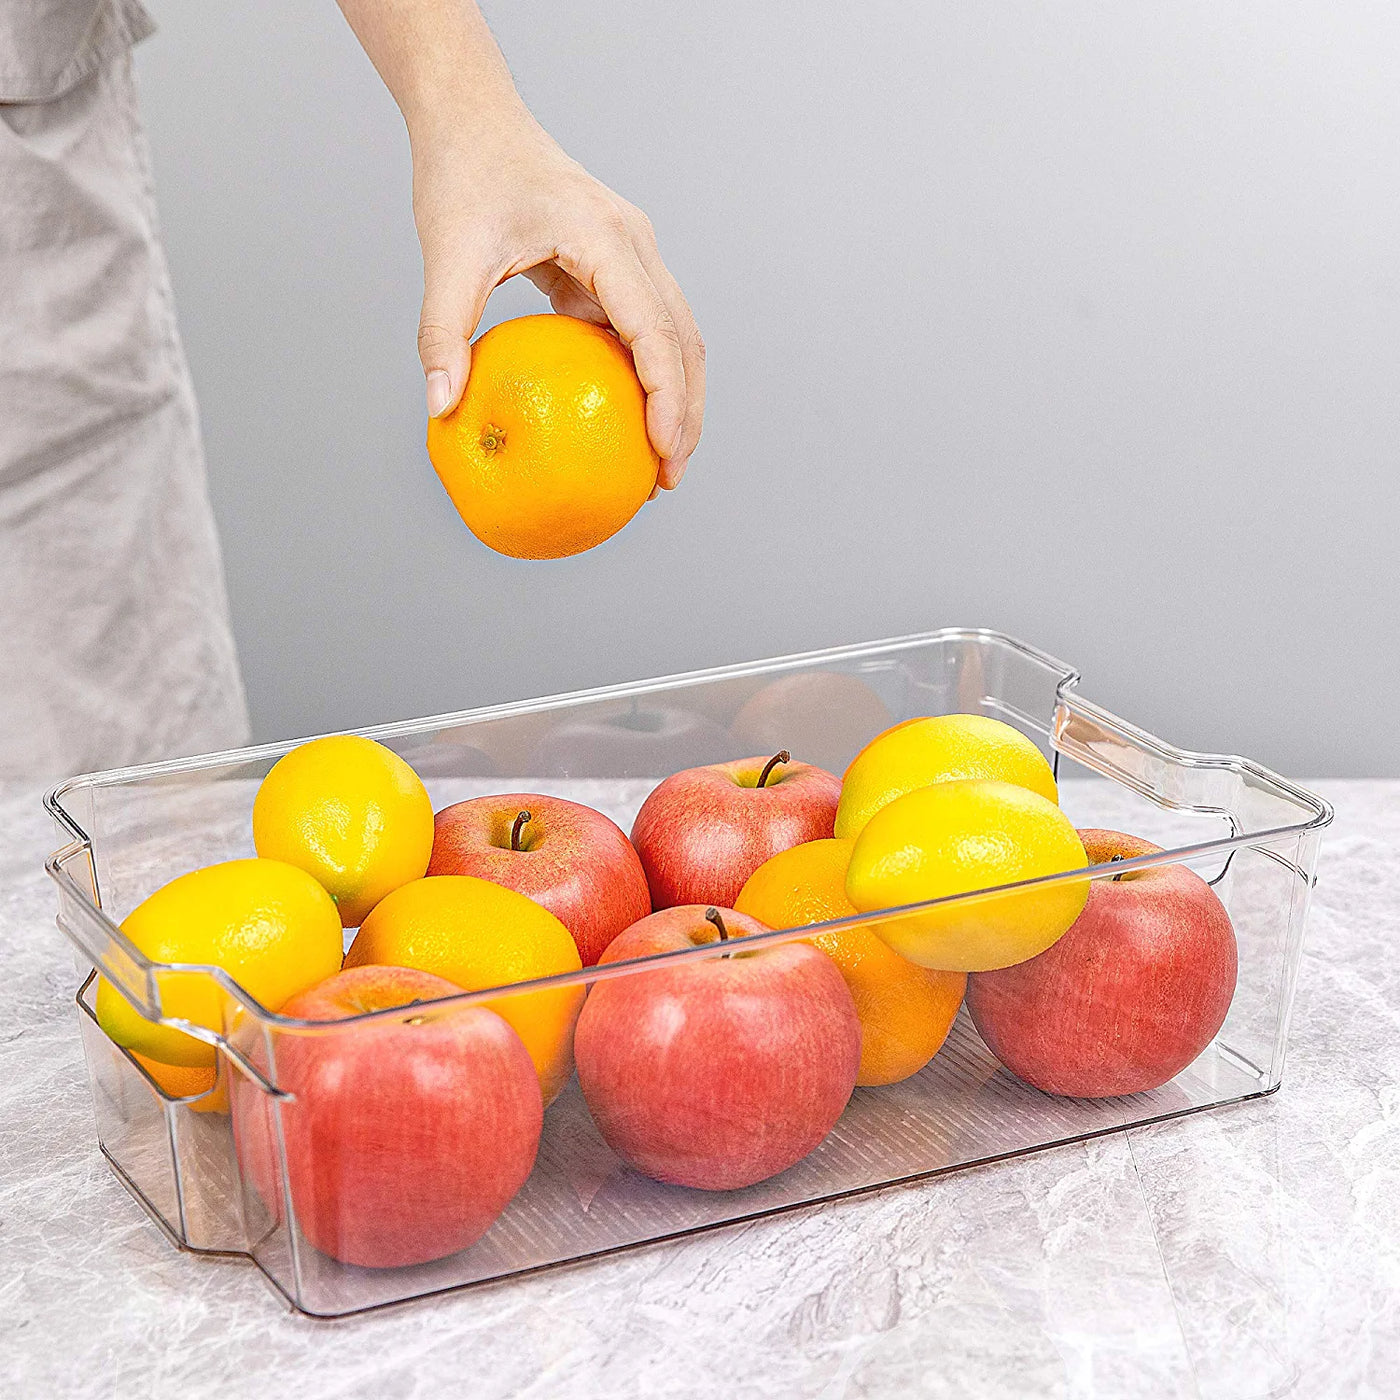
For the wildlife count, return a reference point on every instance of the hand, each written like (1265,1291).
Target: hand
(491,203)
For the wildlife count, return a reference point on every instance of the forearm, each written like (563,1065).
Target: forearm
(439,61)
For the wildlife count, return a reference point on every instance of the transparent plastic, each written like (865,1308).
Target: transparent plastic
(1253,835)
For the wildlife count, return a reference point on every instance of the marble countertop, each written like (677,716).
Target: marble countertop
(1247,1251)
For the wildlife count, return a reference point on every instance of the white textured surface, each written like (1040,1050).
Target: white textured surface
(1249,1251)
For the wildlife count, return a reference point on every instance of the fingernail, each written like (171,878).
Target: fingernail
(674,472)
(439,392)
(655,492)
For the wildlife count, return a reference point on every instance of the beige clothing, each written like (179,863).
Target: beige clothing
(115,645)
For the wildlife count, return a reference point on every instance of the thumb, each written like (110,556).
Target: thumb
(452,308)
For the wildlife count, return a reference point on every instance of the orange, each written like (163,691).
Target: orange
(349,812)
(957,837)
(905,1010)
(270,926)
(547,454)
(480,935)
(183,1082)
(933,749)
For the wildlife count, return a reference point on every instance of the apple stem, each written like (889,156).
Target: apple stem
(1111,861)
(782,756)
(520,820)
(712,916)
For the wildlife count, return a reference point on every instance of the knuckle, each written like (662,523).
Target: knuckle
(664,328)
(609,216)
(639,222)
(433,336)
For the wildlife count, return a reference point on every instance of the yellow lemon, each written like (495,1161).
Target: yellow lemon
(270,926)
(481,935)
(905,1010)
(962,835)
(931,750)
(350,812)
(547,454)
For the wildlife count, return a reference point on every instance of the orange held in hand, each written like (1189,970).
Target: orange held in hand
(547,454)
(905,1010)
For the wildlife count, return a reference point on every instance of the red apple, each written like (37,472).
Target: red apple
(405,1137)
(702,832)
(566,856)
(629,740)
(720,1072)
(827,715)
(1129,997)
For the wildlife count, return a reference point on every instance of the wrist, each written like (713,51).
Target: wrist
(486,116)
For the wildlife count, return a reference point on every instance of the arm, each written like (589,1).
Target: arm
(493,195)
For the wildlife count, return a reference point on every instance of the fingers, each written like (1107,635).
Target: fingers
(692,348)
(614,274)
(565,294)
(454,298)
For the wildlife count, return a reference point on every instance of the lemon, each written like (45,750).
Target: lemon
(349,812)
(270,926)
(962,835)
(905,1011)
(931,750)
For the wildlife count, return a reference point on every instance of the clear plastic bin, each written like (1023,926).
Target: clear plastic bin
(1250,834)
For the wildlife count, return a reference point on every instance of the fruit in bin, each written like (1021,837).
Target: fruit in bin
(1129,997)
(630,741)
(905,1010)
(448,755)
(188,1082)
(959,836)
(268,925)
(828,715)
(720,1072)
(508,744)
(405,1137)
(547,453)
(702,832)
(563,855)
(350,812)
(933,749)
(480,935)
(722,699)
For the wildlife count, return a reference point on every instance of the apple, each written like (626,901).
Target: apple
(1128,997)
(702,832)
(828,715)
(561,854)
(718,1072)
(447,755)
(634,740)
(404,1137)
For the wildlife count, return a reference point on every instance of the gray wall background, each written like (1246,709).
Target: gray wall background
(1074,320)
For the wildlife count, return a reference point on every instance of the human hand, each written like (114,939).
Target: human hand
(496,199)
